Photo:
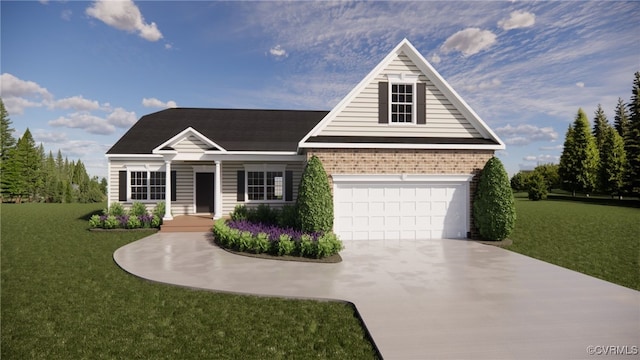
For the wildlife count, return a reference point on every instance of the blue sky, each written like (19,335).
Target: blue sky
(79,74)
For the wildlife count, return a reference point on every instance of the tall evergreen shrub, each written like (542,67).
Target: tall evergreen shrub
(315,202)
(493,207)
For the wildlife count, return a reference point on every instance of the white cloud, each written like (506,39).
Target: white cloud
(580,84)
(542,159)
(278,51)
(483,85)
(49,137)
(153,102)
(122,118)
(77,103)
(124,15)
(525,134)
(435,59)
(469,41)
(518,19)
(66,15)
(13,86)
(85,121)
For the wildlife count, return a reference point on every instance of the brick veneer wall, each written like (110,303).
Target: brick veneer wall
(406,161)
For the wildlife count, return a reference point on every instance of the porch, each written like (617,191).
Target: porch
(188,223)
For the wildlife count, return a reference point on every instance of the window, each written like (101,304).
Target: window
(147,185)
(402,103)
(265,185)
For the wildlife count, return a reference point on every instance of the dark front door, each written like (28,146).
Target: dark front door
(204,192)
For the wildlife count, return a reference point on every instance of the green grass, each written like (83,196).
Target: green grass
(592,236)
(63,297)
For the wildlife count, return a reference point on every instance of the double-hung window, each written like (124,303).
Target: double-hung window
(402,103)
(147,185)
(401,100)
(265,184)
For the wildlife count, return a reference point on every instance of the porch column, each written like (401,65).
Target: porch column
(217,192)
(167,190)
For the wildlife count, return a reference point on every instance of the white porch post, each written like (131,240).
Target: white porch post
(217,192)
(167,191)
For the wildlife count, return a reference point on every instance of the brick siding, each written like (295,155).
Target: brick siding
(406,161)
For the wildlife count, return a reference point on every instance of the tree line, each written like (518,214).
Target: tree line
(28,174)
(602,159)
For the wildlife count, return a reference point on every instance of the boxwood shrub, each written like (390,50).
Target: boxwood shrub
(494,209)
(116,217)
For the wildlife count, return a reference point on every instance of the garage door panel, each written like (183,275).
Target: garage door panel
(400,210)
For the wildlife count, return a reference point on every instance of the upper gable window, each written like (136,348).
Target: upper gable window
(401,100)
(402,103)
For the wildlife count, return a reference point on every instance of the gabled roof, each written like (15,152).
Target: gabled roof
(489,139)
(230,129)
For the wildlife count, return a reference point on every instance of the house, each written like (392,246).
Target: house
(402,150)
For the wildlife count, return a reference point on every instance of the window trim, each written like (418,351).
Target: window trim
(264,168)
(403,79)
(148,169)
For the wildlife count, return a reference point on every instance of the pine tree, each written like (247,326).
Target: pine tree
(613,162)
(621,120)
(579,160)
(599,123)
(28,158)
(632,140)
(7,145)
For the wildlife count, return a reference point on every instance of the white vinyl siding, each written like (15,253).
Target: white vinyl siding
(191,145)
(360,117)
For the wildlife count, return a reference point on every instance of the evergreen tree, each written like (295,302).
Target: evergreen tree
(599,123)
(579,160)
(632,140)
(621,120)
(50,178)
(7,141)
(549,172)
(612,162)
(28,158)
(314,202)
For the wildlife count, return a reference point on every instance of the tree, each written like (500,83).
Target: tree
(7,144)
(519,181)
(600,122)
(621,119)
(494,209)
(537,187)
(549,173)
(632,140)
(315,203)
(613,162)
(28,158)
(579,160)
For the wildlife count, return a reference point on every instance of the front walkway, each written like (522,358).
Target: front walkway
(432,299)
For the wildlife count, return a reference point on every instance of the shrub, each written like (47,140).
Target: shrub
(111,222)
(537,187)
(328,244)
(288,217)
(239,213)
(315,203)
(138,209)
(265,215)
(286,246)
(95,221)
(116,209)
(133,222)
(156,221)
(307,247)
(493,207)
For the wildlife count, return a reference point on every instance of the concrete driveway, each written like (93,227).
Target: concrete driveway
(432,299)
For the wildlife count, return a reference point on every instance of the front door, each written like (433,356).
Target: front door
(204,192)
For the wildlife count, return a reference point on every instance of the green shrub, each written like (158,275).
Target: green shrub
(160,209)
(239,213)
(288,217)
(116,209)
(156,221)
(261,243)
(245,241)
(111,222)
(537,187)
(265,215)
(493,207)
(307,247)
(95,221)
(133,222)
(328,244)
(315,203)
(286,245)
(138,209)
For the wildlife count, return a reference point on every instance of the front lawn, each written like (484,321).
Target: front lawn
(594,237)
(63,297)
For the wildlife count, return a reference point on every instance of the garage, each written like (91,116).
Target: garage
(407,207)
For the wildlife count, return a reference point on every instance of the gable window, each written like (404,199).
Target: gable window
(402,100)
(147,185)
(401,103)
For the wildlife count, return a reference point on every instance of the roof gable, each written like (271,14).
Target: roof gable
(188,140)
(448,116)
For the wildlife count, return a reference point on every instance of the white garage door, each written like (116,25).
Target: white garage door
(384,207)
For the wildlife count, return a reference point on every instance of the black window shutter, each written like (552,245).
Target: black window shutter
(383,102)
(421,93)
(122,185)
(174,187)
(240,185)
(288,183)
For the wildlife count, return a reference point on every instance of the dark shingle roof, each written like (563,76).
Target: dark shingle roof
(232,129)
